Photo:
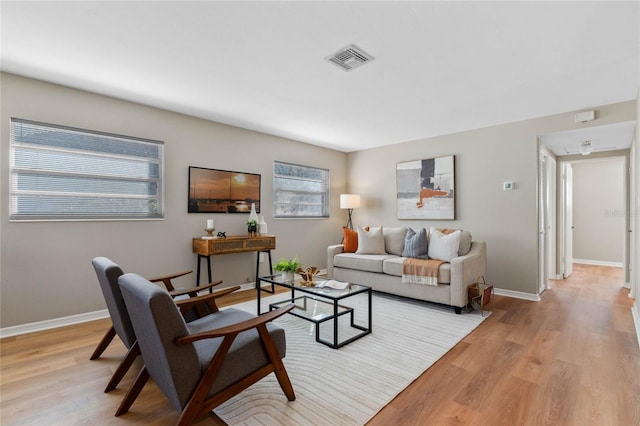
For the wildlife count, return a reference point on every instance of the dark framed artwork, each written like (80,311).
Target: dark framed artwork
(426,189)
(222,191)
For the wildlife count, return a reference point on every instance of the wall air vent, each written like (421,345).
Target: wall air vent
(350,57)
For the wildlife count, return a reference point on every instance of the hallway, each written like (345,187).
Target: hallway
(571,359)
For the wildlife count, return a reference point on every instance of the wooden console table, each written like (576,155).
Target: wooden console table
(233,244)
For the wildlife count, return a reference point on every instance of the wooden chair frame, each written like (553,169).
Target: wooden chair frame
(134,350)
(198,404)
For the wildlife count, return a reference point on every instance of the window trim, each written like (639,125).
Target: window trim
(14,171)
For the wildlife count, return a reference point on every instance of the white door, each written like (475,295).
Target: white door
(542,223)
(550,221)
(568,220)
(546,220)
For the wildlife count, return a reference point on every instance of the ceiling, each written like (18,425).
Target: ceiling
(438,67)
(600,138)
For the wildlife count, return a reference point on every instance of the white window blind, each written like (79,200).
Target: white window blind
(300,191)
(60,172)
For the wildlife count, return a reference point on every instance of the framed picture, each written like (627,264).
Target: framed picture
(426,189)
(222,191)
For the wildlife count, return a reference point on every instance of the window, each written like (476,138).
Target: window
(65,173)
(300,191)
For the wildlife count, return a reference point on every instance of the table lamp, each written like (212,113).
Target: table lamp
(349,202)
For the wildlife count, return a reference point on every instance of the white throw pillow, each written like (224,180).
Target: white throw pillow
(370,242)
(443,247)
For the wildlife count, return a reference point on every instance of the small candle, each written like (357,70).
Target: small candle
(209,223)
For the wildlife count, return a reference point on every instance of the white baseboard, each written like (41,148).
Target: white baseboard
(599,263)
(635,312)
(517,294)
(53,323)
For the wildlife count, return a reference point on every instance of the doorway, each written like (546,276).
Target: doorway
(593,206)
(567,148)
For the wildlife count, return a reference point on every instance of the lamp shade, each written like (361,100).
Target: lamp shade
(349,201)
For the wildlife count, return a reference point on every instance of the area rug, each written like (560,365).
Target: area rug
(350,385)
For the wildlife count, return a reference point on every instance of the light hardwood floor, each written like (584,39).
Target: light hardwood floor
(571,359)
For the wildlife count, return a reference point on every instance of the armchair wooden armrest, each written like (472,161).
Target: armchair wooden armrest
(166,279)
(236,328)
(228,334)
(193,290)
(209,299)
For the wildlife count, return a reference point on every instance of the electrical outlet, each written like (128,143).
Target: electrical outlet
(249,279)
(261,258)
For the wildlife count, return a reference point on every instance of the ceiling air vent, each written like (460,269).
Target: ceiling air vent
(349,58)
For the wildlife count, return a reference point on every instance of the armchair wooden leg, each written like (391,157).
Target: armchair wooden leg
(124,366)
(283,379)
(279,369)
(193,407)
(106,339)
(133,392)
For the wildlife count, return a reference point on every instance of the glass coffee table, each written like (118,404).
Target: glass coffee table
(321,304)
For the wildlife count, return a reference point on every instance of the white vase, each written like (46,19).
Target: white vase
(253,215)
(262,228)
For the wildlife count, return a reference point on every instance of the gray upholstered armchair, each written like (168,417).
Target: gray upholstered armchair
(201,364)
(108,273)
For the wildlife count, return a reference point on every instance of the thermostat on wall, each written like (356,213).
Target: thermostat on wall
(507,186)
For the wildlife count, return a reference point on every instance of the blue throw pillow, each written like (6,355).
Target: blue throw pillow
(415,244)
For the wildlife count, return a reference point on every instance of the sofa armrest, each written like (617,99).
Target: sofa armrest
(465,270)
(331,252)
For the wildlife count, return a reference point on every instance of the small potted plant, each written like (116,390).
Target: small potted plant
(252,227)
(287,267)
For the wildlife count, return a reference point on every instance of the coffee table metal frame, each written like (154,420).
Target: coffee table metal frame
(327,296)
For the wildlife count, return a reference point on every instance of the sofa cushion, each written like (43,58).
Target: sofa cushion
(465,243)
(415,244)
(444,273)
(394,240)
(362,262)
(371,241)
(443,247)
(349,240)
(393,266)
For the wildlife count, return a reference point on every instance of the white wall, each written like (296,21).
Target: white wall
(485,158)
(599,210)
(45,269)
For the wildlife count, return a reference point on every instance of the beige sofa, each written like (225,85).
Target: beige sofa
(383,272)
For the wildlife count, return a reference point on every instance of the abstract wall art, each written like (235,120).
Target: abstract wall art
(426,189)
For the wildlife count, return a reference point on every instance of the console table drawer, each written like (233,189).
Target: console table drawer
(233,245)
